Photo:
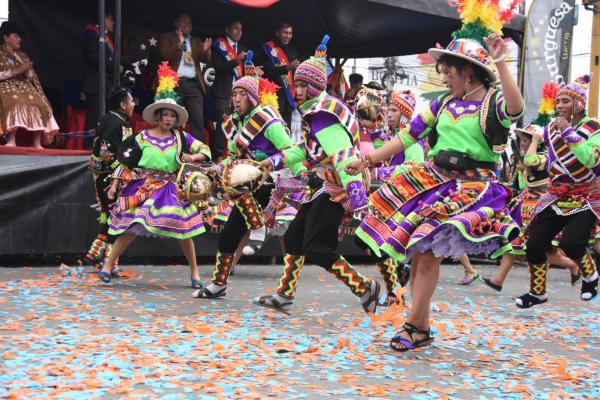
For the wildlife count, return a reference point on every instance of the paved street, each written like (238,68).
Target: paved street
(145,337)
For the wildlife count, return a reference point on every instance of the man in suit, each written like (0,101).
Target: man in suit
(227,59)
(184,53)
(90,84)
(279,59)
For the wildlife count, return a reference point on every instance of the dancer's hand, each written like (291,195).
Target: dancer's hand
(354,168)
(112,192)
(498,48)
(266,165)
(562,124)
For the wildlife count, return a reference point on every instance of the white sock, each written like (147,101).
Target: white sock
(592,278)
(214,288)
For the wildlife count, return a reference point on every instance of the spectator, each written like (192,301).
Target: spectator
(90,85)
(227,58)
(356,83)
(184,53)
(23,103)
(279,60)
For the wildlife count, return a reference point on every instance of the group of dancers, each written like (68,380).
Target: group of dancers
(425,191)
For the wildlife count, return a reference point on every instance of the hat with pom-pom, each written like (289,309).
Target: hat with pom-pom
(250,80)
(260,90)
(577,90)
(314,71)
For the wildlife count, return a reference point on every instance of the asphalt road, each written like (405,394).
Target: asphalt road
(146,337)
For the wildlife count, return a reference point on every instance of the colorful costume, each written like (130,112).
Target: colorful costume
(149,203)
(112,129)
(572,202)
(330,139)
(430,206)
(533,178)
(259,135)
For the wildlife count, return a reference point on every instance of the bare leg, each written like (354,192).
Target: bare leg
(121,244)
(506,263)
(189,250)
(37,140)
(557,258)
(12,141)
(239,252)
(468,267)
(597,246)
(425,281)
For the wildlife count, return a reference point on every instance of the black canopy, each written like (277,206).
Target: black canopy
(358,28)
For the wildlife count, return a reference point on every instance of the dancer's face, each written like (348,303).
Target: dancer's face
(166,119)
(301,89)
(127,105)
(525,143)
(564,106)
(393,115)
(455,80)
(241,102)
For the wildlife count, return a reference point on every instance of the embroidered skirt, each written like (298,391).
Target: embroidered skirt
(425,208)
(149,206)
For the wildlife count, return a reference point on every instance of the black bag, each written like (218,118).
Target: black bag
(452,160)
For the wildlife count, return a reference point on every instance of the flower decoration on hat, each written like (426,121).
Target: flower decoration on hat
(479,18)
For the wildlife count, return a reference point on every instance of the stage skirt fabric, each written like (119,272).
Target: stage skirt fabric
(425,208)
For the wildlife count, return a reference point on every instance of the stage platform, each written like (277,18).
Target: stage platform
(47,208)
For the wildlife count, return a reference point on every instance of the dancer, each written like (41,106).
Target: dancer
(257,132)
(571,204)
(330,142)
(113,128)
(149,204)
(534,179)
(453,205)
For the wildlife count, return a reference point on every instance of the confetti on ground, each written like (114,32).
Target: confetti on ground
(65,335)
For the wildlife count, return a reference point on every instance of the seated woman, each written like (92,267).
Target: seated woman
(148,204)
(23,104)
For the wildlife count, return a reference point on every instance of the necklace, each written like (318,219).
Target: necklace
(471,92)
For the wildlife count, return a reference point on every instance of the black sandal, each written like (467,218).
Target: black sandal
(488,282)
(411,344)
(271,302)
(528,301)
(204,293)
(589,288)
(370,304)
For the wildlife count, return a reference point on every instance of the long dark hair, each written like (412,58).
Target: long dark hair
(461,64)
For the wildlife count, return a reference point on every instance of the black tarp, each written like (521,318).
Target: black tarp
(46,209)
(358,28)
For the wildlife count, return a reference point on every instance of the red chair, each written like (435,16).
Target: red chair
(75,123)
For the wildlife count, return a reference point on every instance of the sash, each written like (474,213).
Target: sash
(566,162)
(279,59)
(92,29)
(222,46)
(258,121)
